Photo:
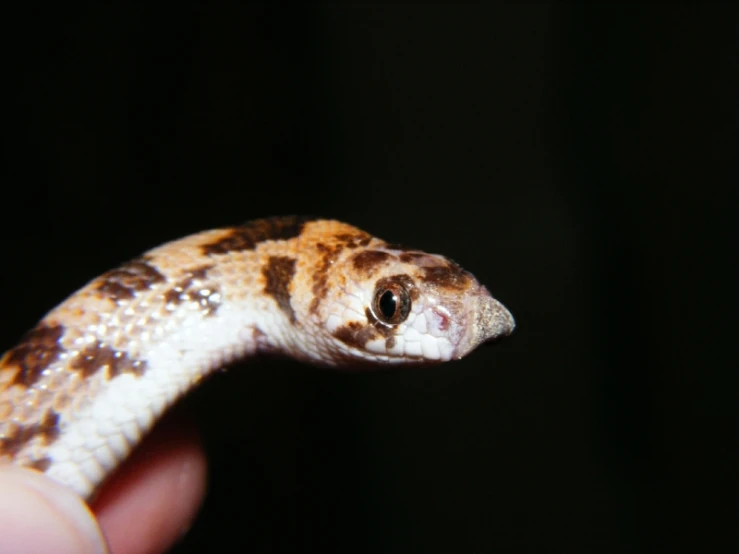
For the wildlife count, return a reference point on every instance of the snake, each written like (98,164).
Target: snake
(79,390)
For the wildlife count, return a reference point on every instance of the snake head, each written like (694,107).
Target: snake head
(397,306)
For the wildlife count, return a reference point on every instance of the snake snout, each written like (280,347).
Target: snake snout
(490,322)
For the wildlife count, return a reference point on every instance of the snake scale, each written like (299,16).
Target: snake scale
(82,387)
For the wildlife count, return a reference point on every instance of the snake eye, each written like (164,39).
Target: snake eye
(392,303)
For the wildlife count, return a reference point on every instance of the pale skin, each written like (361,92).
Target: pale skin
(146,506)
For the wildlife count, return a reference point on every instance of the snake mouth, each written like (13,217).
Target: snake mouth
(490,321)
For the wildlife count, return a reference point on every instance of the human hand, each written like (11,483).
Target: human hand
(145,507)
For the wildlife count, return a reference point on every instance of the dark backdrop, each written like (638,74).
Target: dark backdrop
(581,161)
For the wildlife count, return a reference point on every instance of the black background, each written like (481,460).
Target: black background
(581,161)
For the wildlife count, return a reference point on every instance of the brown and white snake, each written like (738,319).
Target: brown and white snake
(80,389)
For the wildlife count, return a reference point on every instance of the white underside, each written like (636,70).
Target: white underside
(102,434)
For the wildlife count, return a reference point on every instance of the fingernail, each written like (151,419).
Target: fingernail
(40,515)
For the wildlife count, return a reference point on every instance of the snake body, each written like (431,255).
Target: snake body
(81,388)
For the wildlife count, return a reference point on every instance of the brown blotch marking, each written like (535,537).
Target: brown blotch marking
(329,253)
(247,237)
(14,440)
(124,282)
(97,356)
(411,257)
(279,273)
(42,464)
(175,295)
(366,262)
(49,427)
(320,274)
(201,272)
(37,350)
(358,335)
(355,334)
(348,335)
(189,290)
(18,437)
(450,276)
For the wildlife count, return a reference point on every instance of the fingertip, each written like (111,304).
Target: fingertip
(40,515)
(157,492)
